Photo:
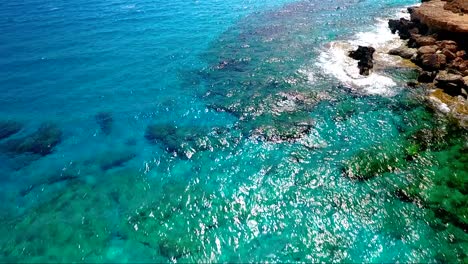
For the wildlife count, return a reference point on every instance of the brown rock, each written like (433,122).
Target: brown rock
(457,6)
(461,53)
(465,81)
(448,54)
(459,64)
(424,40)
(446,42)
(433,61)
(449,45)
(427,50)
(403,51)
(456,62)
(463,67)
(434,15)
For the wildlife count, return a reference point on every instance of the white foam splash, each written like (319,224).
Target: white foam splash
(336,62)
(334,59)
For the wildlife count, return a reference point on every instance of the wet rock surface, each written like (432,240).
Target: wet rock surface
(365,57)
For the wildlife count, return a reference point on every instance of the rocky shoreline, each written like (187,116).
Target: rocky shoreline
(437,42)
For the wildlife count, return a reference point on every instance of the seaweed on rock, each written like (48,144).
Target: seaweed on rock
(374,161)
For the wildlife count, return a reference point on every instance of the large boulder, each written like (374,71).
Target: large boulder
(424,40)
(427,50)
(448,45)
(449,54)
(365,57)
(433,61)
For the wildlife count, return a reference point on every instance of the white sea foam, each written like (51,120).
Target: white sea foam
(334,60)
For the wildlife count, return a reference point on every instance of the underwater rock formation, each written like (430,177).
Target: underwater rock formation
(374,161)
(166,135)
(41,142)
(105,121)
(112,160)
(365,57)
(9,128)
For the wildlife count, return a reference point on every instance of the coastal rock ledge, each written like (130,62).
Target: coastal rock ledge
(439,15)
(437,36)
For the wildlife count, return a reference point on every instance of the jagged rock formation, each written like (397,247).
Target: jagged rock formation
(365,57)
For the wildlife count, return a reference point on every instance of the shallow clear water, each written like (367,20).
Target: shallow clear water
(219,131)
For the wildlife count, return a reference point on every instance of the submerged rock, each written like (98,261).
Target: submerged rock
(112,160)
(365,57)
(165,134)
(104,120)
(41,142)
(375,161)
(9,128)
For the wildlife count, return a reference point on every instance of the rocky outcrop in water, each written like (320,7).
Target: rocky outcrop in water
(441,39)
(365,57)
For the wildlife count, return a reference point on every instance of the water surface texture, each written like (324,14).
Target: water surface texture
(220,131)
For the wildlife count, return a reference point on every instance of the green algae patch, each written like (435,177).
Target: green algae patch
(375,160)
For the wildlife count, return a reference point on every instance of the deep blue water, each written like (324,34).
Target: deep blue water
(215,131)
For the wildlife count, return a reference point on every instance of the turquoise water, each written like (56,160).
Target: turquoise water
(209,131)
